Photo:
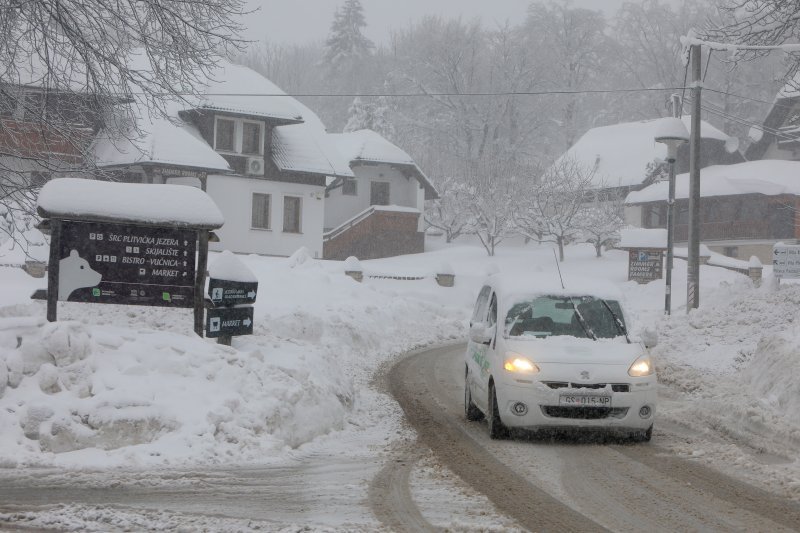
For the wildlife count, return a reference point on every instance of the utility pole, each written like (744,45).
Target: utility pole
(676,112)
(693,274)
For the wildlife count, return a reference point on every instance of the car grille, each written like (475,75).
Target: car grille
(585,413)
(616,387)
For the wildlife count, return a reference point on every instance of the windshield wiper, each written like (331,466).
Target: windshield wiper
(620,325)
(582,322)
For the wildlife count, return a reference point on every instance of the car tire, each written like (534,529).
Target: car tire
(643,436)
(497,430)
(471,410)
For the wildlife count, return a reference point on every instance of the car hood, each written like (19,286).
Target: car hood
(571,350)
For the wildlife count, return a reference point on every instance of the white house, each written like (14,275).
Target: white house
(378,211)
(280,180)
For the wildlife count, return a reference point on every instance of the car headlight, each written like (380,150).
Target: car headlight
(519,364)
(643,366)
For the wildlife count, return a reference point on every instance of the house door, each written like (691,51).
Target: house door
(379,193)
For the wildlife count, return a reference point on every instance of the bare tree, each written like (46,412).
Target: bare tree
(451,212)
(550,209)
(569,44)
(601,219)
(65,65)
(492,185)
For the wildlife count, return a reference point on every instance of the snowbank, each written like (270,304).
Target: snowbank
(114,385)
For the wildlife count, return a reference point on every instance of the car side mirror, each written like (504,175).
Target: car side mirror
(481,334)
(649,337)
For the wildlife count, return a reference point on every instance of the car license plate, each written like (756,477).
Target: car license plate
(584,400)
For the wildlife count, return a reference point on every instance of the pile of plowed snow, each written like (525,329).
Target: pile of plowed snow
(113,384)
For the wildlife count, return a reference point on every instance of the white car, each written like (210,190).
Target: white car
(544,357)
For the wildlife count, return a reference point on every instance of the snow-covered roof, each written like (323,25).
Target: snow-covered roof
(171,205)
(642,238)
(241,90)
(228,267)
(514,288)
(768,177)
(158,142)
(619,154)
(307,147)
(367,146)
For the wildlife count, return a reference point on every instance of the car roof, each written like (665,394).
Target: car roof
(510,287)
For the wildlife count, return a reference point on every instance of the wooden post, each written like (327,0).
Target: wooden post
(200,281)
(52,270)
(225,340)
(693,260)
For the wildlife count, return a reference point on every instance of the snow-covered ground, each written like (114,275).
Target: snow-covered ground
(133,386)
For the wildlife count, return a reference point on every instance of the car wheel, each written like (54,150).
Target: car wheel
(643,436)
(470,409)
(496,428)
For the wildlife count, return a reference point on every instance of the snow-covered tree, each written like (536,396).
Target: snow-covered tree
(550,209)
(371,114)
(346,42)
(601,218)
(451,212)
(569,45)
(492,186)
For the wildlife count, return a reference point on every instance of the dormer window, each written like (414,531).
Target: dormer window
(238,136)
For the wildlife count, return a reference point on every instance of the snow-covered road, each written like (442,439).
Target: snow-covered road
(120,418)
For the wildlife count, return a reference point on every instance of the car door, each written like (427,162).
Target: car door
(481,355)
(476,352)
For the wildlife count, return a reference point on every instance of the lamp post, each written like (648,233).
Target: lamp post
(672,132)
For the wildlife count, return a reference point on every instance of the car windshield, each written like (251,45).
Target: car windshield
(576,316)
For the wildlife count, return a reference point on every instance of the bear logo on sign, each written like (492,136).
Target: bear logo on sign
(75,273)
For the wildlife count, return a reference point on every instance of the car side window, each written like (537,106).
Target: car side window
(479,314)
(492,320)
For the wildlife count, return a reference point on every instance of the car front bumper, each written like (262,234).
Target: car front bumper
(540,407)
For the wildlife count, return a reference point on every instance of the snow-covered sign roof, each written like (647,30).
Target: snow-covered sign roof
(367,146)
(768,177)
(642,238)
(619,154)
(307,147)
(239,90)
(159,142)
(134,203)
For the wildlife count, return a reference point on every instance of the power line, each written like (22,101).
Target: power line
(774,104)
(428,94)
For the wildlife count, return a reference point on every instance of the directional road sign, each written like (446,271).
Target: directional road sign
(786,260)
(229,321)
(224,292)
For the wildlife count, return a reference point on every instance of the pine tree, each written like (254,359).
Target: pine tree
(374,114)
(345,41)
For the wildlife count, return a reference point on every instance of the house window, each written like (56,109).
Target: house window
(8,102)
(731,251)
(379,193)
(260,215)
(223,134)
(34,106)
(251,138)
(291,214)
(349,187)
(38,179)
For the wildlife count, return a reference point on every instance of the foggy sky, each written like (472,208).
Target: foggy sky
(297,21)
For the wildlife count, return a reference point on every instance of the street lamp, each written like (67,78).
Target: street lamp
(672,132)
